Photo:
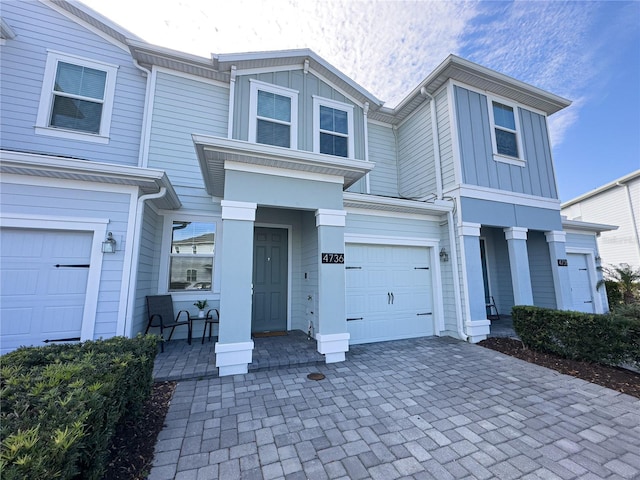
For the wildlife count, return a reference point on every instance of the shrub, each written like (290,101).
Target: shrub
(60,404)
(610,339)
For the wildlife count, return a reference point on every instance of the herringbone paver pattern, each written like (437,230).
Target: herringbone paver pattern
(432,408)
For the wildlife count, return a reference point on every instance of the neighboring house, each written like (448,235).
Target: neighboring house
(618,203)
(275,187)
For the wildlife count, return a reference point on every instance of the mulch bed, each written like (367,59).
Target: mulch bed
(619,379)
(134,441)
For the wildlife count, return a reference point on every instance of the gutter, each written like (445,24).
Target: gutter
(456,278)
(436,141)
(145,131)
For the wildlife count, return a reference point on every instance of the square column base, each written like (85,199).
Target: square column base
(333,346)
(233,358)
(478,330)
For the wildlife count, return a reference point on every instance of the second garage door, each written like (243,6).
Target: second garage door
(44,281)
(388,292)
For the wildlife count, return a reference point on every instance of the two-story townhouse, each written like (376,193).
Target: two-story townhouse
(72,100)
(292,199)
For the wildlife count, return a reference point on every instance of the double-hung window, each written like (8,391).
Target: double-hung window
(333,127)
(505,133)
(192,255)
(273,115)
(77,98)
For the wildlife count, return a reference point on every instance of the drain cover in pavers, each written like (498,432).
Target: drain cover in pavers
(315,376)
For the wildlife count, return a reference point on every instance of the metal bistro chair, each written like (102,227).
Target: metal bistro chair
(161,314)
(492,310)
(209,321)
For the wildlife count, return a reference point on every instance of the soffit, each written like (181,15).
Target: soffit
(148,180)
(396,205)
(213,152)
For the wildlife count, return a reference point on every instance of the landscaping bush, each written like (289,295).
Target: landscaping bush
(610,339)
(60,404)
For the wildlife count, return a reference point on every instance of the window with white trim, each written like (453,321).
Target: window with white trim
(77,98)
(192,256)
(333,127)
(273,115)
(504,130)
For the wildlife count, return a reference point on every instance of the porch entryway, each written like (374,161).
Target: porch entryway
(181,361)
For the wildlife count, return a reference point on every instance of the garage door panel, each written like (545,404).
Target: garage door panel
(391,295)
(55,296)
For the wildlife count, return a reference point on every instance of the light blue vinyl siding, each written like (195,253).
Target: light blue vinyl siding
(415,155)
(391,226)
(85,203)
(540,267)
(487,212)
(307,85)
(445,140)
(184,106)
(148,263)
(476,151)
(383,179)
(39,28)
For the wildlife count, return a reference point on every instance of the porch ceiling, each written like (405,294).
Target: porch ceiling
(213,152)
(48,166)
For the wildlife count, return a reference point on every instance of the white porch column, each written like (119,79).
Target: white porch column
(477,324)
(234,347)
(559,268)
(519,263)
(332,336)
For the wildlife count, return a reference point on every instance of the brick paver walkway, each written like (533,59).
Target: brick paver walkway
(432,408)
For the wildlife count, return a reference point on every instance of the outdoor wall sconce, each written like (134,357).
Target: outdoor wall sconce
(444,256)
(109,245)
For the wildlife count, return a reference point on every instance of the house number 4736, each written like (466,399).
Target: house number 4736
(333,258)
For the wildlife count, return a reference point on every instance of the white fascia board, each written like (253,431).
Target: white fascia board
(63,167)
(365,201)
(603,188)
(503,196)
(581,227)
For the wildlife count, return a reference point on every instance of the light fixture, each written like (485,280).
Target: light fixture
(109,245)
(444,256)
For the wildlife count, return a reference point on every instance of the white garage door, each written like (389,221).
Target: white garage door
(581,288)
(388,292)
(44,281)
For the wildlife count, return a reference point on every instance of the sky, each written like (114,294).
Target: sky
(586,51)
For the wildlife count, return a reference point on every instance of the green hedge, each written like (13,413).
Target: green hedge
(610,339)
(60,404)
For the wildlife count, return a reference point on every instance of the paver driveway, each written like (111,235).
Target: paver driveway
(423,408)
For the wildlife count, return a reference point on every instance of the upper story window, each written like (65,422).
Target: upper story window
(77,98)
(505,133)
(333,127)
(192,255)
(273,115)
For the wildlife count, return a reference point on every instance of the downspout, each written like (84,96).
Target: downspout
(232,94)
(436,141)
(452,239)
(367,181)
(146,124)
(633,218)
(133,272)
(456,277)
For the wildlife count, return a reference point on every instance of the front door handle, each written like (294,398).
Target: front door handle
(392,298)
(388,298)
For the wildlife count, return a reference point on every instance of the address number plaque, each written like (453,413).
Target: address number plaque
(333,258)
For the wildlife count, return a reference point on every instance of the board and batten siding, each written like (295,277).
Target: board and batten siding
(39,28)
(383,179)
(476,150)
(307,85)
(85,202)
(183,106)
(417,176)
(445,140)
(544,294)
